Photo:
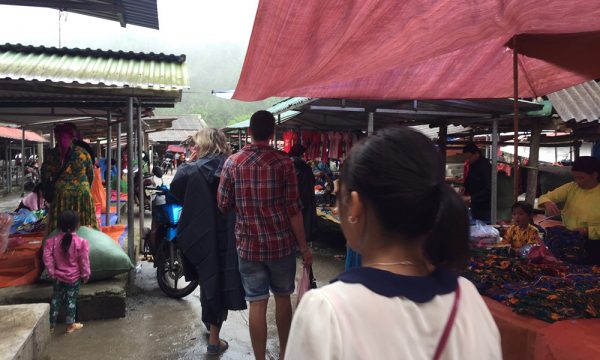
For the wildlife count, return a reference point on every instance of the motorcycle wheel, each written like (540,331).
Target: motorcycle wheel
(171,278)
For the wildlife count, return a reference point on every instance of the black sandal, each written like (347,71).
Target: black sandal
(217,349)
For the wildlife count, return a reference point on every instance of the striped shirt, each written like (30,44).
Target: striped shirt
(260,184)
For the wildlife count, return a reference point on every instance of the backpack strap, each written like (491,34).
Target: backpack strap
(448,328)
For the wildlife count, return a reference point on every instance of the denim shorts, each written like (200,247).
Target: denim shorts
(260,276)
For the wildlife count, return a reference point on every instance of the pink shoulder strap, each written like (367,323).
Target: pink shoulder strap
(446,334)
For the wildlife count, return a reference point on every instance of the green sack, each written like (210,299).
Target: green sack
(107,259)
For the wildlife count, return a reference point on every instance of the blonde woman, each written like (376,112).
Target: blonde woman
(206,236)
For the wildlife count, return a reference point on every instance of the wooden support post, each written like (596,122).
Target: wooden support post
(494,200)
(532,166)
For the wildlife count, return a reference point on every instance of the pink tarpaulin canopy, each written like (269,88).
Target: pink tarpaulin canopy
(417,49)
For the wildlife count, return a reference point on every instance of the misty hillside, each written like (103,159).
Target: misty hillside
(215,67)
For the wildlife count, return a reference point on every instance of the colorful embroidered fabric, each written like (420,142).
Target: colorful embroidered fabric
(549,292)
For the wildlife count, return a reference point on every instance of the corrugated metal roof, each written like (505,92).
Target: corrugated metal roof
(246,123)
(181,129)
(580,102)
(172,135)
(433,132)
(16,134)
(97,67)
(133,12)
(289,104)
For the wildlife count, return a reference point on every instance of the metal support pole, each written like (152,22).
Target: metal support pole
(140,132)
(130,184)
(108,167)
(23,158)
(516,119)
(371,123)
(239,139)
(494,201)
(119,172)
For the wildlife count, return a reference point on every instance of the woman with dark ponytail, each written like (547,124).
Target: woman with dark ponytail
(411,231)
(66,257)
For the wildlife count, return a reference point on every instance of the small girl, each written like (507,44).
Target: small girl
(522,232)
(66,257)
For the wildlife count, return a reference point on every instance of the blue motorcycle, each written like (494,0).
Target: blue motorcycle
(161,242)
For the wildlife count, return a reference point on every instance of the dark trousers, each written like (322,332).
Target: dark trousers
(593,252)
(68,294)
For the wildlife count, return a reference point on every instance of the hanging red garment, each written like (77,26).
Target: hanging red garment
(347,144)
(335,144)
(287,140)
(315,150)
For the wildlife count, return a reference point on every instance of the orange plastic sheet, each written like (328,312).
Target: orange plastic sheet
(524,337)
(114,231)
(98,191)
(22,264)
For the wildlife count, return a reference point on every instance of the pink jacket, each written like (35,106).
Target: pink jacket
(70,266)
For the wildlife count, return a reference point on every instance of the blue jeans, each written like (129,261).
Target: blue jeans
(260,276)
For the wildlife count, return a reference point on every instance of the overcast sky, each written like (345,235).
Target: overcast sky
(184,25)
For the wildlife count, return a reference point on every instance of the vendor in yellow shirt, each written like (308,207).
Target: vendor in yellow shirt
(521,232)
(581,198)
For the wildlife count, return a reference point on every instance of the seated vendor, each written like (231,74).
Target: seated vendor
(581,197)
(33,201)
(522,232)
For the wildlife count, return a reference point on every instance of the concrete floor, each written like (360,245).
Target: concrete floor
(158,327)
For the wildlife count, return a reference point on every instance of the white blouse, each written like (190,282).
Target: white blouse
(349,321)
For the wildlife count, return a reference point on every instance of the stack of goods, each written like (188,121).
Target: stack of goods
(483,235)
(567,245)
(549,291)
(27,222)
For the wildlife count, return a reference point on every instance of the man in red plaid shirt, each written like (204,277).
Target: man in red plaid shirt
(260,184)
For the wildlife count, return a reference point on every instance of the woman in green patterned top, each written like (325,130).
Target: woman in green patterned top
(72,188)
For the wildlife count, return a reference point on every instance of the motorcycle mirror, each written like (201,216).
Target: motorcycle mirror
(157,171)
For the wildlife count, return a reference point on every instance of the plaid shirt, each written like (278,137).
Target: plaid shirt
(260,183)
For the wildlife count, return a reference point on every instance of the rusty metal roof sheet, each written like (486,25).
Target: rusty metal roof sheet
(580,103)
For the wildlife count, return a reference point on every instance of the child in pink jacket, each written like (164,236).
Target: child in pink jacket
(67,260)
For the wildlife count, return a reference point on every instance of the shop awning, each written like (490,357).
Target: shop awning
(16,134)
(176,149)
(411,49)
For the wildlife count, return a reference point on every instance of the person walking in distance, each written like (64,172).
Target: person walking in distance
(260,184)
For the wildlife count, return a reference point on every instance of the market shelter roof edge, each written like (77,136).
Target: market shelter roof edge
(40,84)
(142,13)
(93,67)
